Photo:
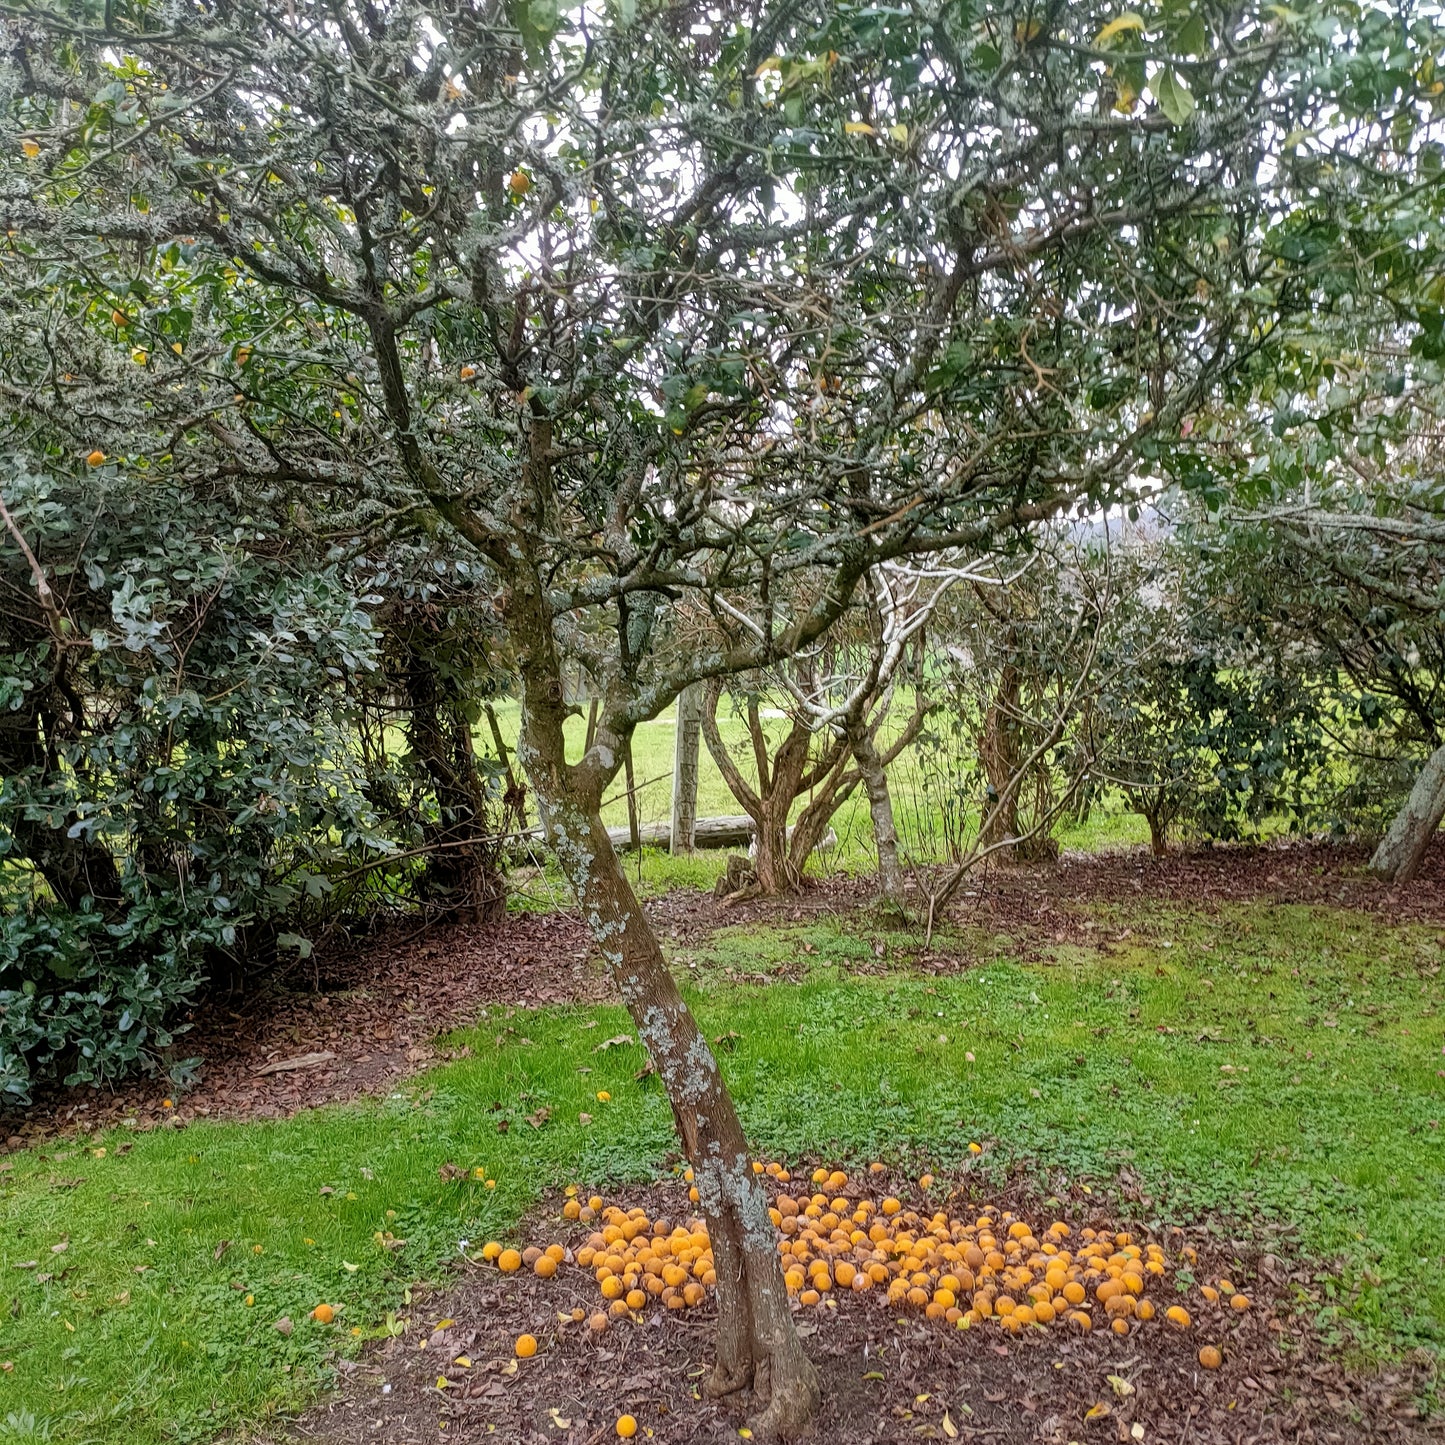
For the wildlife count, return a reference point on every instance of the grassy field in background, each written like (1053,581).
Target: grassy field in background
(915,787)
(1276,1067)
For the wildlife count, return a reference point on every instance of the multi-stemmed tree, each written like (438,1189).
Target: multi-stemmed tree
(680,319)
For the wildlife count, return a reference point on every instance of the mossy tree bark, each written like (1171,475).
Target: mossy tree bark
(758,1347)
(1402,849)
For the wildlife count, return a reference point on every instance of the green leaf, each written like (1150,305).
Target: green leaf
(1192,38)
(1173,96)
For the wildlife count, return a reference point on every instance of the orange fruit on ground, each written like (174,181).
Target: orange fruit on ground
(1210,1357)
(544,1267)
(490,1250)
(1178,1316)
(509,1261)
(626,1426)
(96,458)
(809,1297)
(571,1209)
(611,1287)
(1144,1310)
(597,1323)
(526,1347)
(618,1309)
(891,1206)
(323,1314)
(1239,1302)
(1081,1321)
(1120,1325)
(636,1299)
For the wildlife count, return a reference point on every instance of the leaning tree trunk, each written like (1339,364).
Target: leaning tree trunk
(1403,847)
(758,1345)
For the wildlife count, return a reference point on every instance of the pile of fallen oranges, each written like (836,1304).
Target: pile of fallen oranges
(988,1268)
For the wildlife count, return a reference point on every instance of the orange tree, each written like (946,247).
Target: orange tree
(678,320)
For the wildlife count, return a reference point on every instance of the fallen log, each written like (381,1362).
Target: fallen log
(733,830)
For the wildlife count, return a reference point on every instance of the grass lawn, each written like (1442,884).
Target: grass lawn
(1275,1065)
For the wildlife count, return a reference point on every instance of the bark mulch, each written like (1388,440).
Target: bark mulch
(887,1376)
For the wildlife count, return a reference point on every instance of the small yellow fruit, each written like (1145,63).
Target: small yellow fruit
(519,183)
(467,373)
(491,1250)
(509,1261)
(526,1347)
(323,1314)
(1178,1316)
(31,148)
(120,318)
(1239,1302)
(1210,1357)
(603,1097)
(96,458)
(626,1427)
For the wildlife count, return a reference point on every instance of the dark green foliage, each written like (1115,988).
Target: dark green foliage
(179,768)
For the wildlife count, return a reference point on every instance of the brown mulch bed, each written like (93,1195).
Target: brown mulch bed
(376,1006)
(886,1377)
(372,1011)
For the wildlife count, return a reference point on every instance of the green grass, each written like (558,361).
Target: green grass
(1279,1067)
(915,801)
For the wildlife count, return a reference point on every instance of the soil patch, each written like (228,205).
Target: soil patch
(888,1374)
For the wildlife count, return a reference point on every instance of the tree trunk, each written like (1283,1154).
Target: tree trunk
(1403,847)
(463,869)
(770,847)
(685,769)
(1158,833)
(1001,755)
(758,1345)
(880,808)
(74,867)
